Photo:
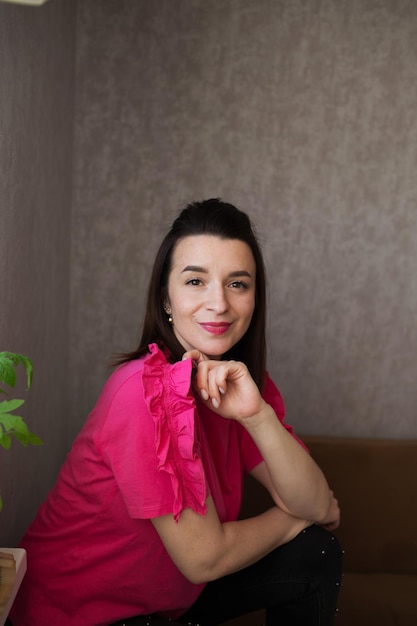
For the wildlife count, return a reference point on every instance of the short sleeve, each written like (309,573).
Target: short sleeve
(168,397)
(150,438)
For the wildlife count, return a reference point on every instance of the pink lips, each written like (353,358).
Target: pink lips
(215,328)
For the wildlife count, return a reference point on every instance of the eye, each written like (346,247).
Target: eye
(194,282)
(238,284)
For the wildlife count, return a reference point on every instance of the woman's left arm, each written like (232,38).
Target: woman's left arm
(293,478)
(331,521)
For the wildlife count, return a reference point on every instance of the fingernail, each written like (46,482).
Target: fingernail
(204,394)
(215,403)
(221,390)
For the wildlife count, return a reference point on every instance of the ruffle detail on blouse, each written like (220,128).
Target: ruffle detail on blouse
(168,397)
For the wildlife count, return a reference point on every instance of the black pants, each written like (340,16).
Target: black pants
(297,584)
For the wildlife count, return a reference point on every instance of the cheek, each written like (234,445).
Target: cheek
(250,307)
(182,305)
(246,314)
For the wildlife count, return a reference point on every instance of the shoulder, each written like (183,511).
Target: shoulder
(150,378)
(130,372)
(125,376)
(121,393)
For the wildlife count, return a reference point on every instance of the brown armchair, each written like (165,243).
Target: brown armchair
(375,482)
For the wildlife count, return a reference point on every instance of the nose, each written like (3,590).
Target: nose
(217,300)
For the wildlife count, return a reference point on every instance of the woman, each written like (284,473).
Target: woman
(142,519)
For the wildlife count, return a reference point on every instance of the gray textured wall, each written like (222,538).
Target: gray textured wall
(302,113)
(36,121)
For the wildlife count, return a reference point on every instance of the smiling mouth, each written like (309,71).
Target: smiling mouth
(216,328)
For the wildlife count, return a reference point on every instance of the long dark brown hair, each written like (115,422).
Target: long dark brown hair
(207,217)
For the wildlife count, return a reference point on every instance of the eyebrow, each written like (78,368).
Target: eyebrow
(203,270)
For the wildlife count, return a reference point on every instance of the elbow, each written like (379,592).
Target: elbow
(316,510)
(321,516)
(324,510)
(201,571)
(196,578)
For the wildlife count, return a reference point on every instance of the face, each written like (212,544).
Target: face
(211,293)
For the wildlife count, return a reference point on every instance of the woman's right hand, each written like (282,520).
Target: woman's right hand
(226,387)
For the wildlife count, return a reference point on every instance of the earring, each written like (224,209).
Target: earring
(169,313)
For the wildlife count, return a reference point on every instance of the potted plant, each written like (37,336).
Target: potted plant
(12,425)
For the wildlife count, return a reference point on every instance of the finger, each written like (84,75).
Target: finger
(200,381)
(195,355)
(217,381)
(210,381)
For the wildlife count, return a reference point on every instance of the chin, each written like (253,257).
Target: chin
(215,353)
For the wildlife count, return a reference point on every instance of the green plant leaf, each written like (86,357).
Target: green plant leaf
(28,438)
(13,423)
(8,361)
(27,364)
(5,441)
(7,371)
(10,356)
(10,405)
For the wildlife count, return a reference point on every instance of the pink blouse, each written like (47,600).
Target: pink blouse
(148,448)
